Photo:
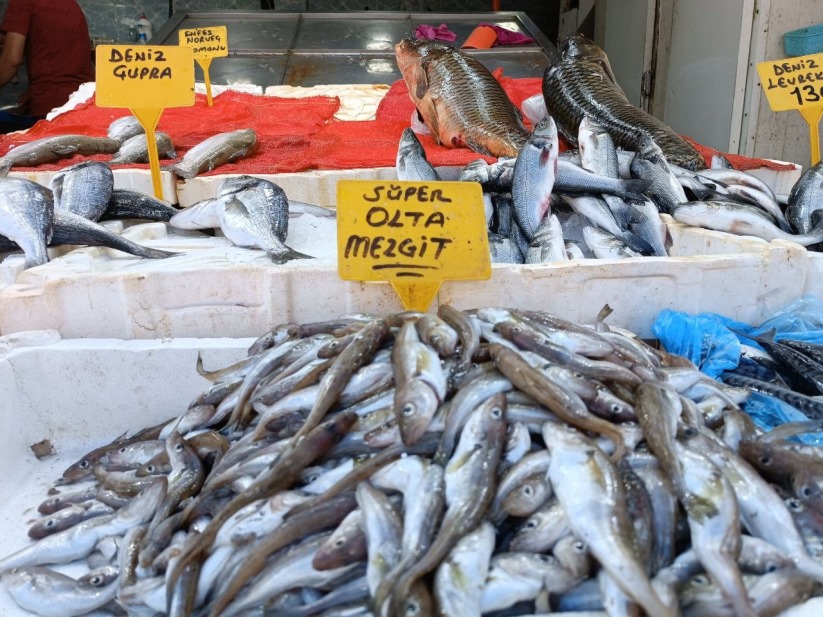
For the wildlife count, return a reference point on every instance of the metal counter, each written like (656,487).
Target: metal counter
(309,49)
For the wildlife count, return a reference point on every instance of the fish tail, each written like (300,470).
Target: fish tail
(157,253)
(633,189)
(281,257)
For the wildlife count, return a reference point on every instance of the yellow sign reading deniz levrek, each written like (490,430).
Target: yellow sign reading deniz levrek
(412,234)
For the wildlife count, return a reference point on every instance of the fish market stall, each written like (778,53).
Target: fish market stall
(240,431)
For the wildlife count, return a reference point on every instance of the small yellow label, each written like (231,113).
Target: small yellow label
(793,83)
(144,76)
(211,42)
(414,235)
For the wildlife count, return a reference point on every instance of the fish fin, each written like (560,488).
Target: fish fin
(636,243)
(422,85)
(281,258)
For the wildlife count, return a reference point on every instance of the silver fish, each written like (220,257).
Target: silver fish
(26,217)
(586,483)
(607,246)
(547,246)
(737,219)
(664,188)
(83,189)
(215,151)
(204,214)
(251,223)
(52,594)
(459,581)
(571,179)
(124,128)
(504,250)
(411,160)
(534,177)
(51,149)
(806,200)
(136,149)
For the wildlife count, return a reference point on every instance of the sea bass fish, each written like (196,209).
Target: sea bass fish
(461,102)
(51,149)
(805,209)
(215,151)
(581,84)
(136,149)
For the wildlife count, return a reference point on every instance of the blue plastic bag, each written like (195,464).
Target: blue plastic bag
(700,338)
(769,412)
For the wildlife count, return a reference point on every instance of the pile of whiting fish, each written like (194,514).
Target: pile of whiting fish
(602,198)
(492,461)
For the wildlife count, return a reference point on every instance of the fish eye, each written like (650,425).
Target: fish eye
(580,547)
(409,409)
(615,408)
(578,375)
(334,344)
(178,447)
(96,580)
(530,524)
(150,468)
(496,412)
(412,608)
(544,558)
(794,504)
(701,580)
(339,542)
(689,431)
(806,491)
(122,450)
(83,464)
(770,567)
(528,491)
(50,523)
(765,460)
(312,478)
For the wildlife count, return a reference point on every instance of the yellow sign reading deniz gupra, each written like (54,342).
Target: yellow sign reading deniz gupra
(144,76)
(211,42)
(414,235)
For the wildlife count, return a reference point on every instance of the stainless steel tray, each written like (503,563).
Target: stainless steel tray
(306,49)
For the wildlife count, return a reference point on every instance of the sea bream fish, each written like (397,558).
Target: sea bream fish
(83,189)
(51,149)
(26,217)
(461,102)
(580,83)
(215,151)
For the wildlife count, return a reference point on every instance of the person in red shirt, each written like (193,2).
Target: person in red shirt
(53,38)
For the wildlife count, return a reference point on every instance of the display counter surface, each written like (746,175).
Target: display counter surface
(307,49)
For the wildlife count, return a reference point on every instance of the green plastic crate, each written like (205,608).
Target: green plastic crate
(804,41)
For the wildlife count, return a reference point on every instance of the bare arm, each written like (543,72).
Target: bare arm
(12,56)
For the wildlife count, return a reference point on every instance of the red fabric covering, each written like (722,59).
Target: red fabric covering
(293,134)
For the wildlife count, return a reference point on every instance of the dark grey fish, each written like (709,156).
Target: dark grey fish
(136,149)
(805,210)
(504,250)
(215,151)
(462,103)
(411,160)
(573,180)
(71,228)
(26,218)
(128,204)
(579,84)
(51,149)
(84,189)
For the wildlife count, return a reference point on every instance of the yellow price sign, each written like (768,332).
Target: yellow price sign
(207,43)
(796,83)
(414,235)
(145,79)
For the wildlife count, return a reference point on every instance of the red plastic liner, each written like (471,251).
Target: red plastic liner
(294,134)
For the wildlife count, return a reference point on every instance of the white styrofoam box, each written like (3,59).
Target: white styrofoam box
(81,394)
(814,275)
(134,179)
(217,289)
(780,181)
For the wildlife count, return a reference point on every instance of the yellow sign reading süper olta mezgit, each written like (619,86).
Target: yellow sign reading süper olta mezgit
(413,235)
(796,83)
